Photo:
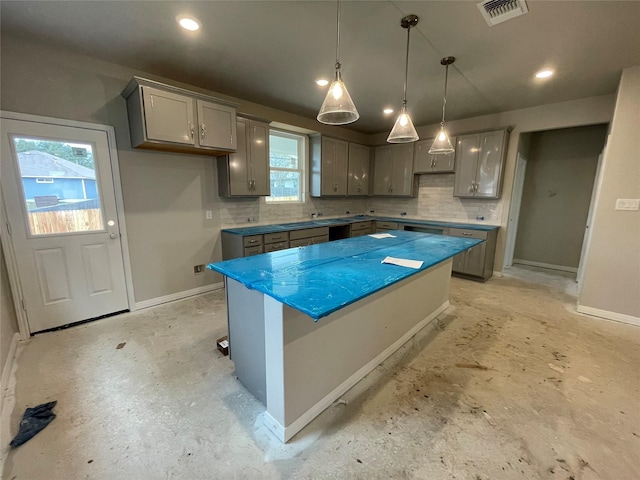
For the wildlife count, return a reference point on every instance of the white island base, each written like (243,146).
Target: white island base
(297,367)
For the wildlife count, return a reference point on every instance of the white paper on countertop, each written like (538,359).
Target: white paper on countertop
(403,262)
(382,235)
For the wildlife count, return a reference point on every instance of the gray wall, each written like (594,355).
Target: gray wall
(557,190)
(612,267)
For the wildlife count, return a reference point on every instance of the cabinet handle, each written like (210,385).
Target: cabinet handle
(471,188)
(203,130)
(253,241)
(475,188)
(276,238)
(467,234)
(191,131)
(390,188)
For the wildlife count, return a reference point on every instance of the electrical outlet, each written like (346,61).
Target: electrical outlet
(628,204)
(208,214)
(198,269)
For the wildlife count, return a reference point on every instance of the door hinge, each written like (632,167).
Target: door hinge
(23,306)
(8,228)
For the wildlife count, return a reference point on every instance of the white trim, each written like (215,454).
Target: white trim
(12,273)
(617,317)
(286,433)
(177,296)
(7,369)
(550,266)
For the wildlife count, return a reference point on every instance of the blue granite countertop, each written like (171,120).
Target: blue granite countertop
(320,279)
(285,227)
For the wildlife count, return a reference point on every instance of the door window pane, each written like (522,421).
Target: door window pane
(59,184)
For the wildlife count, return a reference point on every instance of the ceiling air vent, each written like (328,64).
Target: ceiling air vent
(498,11)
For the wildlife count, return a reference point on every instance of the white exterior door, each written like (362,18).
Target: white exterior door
(58,189)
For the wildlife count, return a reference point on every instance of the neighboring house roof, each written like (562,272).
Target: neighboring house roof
(41,164)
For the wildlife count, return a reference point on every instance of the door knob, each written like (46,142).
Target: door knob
(113,235)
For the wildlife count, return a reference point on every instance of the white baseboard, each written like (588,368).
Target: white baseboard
(617,317)
(177,296)
(285,433)
(7,370)
(550,266)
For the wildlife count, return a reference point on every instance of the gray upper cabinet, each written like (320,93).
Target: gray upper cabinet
(163,117)
(479,164)
(359,167)
(393,171)
(329,166)
(245,173)
(425,162)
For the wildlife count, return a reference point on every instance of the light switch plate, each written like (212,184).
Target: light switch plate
(628,204)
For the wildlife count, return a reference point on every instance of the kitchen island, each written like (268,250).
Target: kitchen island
(306,324)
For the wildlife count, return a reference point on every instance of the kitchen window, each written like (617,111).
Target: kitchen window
(287,161)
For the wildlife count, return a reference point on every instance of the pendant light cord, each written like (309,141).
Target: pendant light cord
(406,67)
(338,38)
(444,103)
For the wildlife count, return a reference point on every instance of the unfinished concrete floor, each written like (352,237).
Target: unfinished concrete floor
(509,383)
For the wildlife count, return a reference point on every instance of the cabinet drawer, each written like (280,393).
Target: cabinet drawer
(386,225)
(463,232)
(358,226)
(308,232)
(361,233)
(273,247)
(252,240)
(255,250)
(278,237)
(303,242)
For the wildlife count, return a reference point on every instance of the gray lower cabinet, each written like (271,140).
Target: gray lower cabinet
(479,164)
(245,173)
(425,162)
(308,236)
(275,241)
(359,229)
(477,262)
(382,226)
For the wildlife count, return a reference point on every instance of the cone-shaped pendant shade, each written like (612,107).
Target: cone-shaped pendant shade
(403,131)
(338,108)
(442,144)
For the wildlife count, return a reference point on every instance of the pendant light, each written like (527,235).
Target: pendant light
(442,144)
(338,108)
(403,131)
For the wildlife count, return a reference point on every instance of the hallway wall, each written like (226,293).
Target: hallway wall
(557,190)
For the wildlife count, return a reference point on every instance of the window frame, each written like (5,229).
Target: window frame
(303,165)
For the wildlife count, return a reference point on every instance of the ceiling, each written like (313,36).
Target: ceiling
(271,52)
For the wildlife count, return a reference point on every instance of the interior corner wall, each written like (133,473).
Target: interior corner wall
(612,266)
(556,196)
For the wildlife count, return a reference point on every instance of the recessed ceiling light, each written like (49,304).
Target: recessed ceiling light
(189,23)
(387,111)
(322,82)
(544,74)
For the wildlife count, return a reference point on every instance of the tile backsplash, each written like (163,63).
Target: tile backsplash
(435,201)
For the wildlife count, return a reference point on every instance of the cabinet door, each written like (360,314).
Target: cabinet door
(422,159)
(258,158)
(239,175)
(459,262)
(489,170)
(467,148)
(402,170)
(359,164)
(333,168)
(168,116)
(216,126)
(475,260)
(382,170)
(444,163)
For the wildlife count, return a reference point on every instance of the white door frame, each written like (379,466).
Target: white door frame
(514,209)
(12,270)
